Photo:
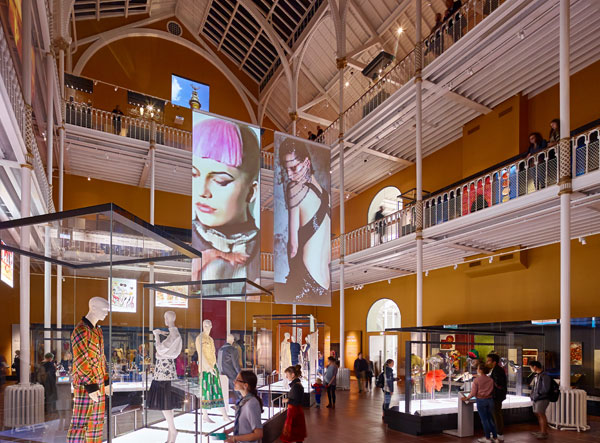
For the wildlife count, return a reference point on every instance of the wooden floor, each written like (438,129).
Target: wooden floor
(358,419)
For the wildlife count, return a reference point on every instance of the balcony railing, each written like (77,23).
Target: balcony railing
(441,39)
(509,181)
(15,96)
(266,261)
(80,114)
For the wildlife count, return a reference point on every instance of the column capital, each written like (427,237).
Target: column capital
(60,43)
(293,116)
(341,63)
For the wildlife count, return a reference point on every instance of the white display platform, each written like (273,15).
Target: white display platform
(282,386)
(186,422)
(450,406)
(130,386)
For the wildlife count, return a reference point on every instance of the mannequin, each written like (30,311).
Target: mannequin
(305,354)
(285,354)
(89,375)
(162,396)
(295,352)
(313,353)
(212,394)
(228,364)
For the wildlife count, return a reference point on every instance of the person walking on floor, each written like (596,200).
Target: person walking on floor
(330,379)
(540,396)
(498,376)
(483,390)
(388,384)
(248,424)
(294,429)
(360,370)
(16,366)
(318,387)
(369,375)
(380,224)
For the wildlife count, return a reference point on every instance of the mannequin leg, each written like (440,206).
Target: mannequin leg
(170,418)
(225,389)
(224,414)
(205,417)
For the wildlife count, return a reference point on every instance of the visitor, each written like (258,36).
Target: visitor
(438,22)
(554,136)
(311,136)
(330,379)
(360,370)
(388,384)
(66,363)
(482,390)
(46,376)
(380,224)
(498,376)
(536,143)
(318,387)
(454,20)
(16,366)
(117,113)
(319,131)
(540,392)
(369,375)
(294,429)
(3,368)
(248,424)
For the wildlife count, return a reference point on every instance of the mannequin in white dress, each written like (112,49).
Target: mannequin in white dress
(162,395)
(285,354)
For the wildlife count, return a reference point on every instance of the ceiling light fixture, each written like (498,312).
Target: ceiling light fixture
(400,30)
(521,35)
(89,178)
(426,273)
(582,241)
(347,84)
(116,88)
(491,260)
(470,71)
(455,267)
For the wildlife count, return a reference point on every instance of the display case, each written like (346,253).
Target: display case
(110,325)
(297,340)
(202,316)
(439,365)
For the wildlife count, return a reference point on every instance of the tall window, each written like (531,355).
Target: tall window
(388,197)
(383,314)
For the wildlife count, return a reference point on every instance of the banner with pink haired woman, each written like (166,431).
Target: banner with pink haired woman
(302,223)
(225,198)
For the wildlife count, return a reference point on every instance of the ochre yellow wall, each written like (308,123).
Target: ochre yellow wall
(452,297)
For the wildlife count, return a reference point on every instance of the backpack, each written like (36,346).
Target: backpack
(554,391)
(380,383)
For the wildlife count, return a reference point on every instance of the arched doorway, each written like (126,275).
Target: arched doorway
(388,199)
(383,314)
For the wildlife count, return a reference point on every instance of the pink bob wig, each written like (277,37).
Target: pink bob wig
(233,144)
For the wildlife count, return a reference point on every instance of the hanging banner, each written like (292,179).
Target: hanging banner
(7,267)
(225,198)
(302,223)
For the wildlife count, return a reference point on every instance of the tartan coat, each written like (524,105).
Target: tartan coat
(89,361)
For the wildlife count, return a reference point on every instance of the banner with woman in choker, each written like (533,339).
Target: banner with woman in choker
(302,223)
(225,198)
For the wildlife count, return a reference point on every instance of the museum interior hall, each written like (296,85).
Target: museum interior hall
(294,221)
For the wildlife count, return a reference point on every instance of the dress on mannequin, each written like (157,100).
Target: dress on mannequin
(228,364)
(89,376)
(162,396)
(295,352)
(285,354)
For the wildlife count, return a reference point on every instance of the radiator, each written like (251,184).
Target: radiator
(343,379)
(570,411)
(23,405)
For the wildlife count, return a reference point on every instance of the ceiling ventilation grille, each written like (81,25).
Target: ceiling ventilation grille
(174,28)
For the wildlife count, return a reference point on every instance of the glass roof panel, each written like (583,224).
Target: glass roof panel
(93,237)
(233,289)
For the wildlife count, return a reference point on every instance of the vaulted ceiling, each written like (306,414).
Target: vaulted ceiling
(259,35)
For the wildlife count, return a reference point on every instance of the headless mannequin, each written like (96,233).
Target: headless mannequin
(169,414)
(225,379)
(205,356)
(98,310)
(285,355)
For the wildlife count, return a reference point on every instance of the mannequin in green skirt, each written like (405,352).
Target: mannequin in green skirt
(212,394)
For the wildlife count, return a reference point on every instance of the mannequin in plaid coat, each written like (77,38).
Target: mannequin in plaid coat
(89,376)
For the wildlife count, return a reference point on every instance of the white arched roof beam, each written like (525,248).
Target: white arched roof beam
(128,33)
(273,36)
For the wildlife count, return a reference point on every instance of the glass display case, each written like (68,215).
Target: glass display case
(115,331)
(441,363)
(296,340)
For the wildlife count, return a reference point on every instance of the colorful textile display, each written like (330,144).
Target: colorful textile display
(212,395)
(89,375)
(433,379)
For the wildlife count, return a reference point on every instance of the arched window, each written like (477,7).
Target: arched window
(388,198)
(383,314)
